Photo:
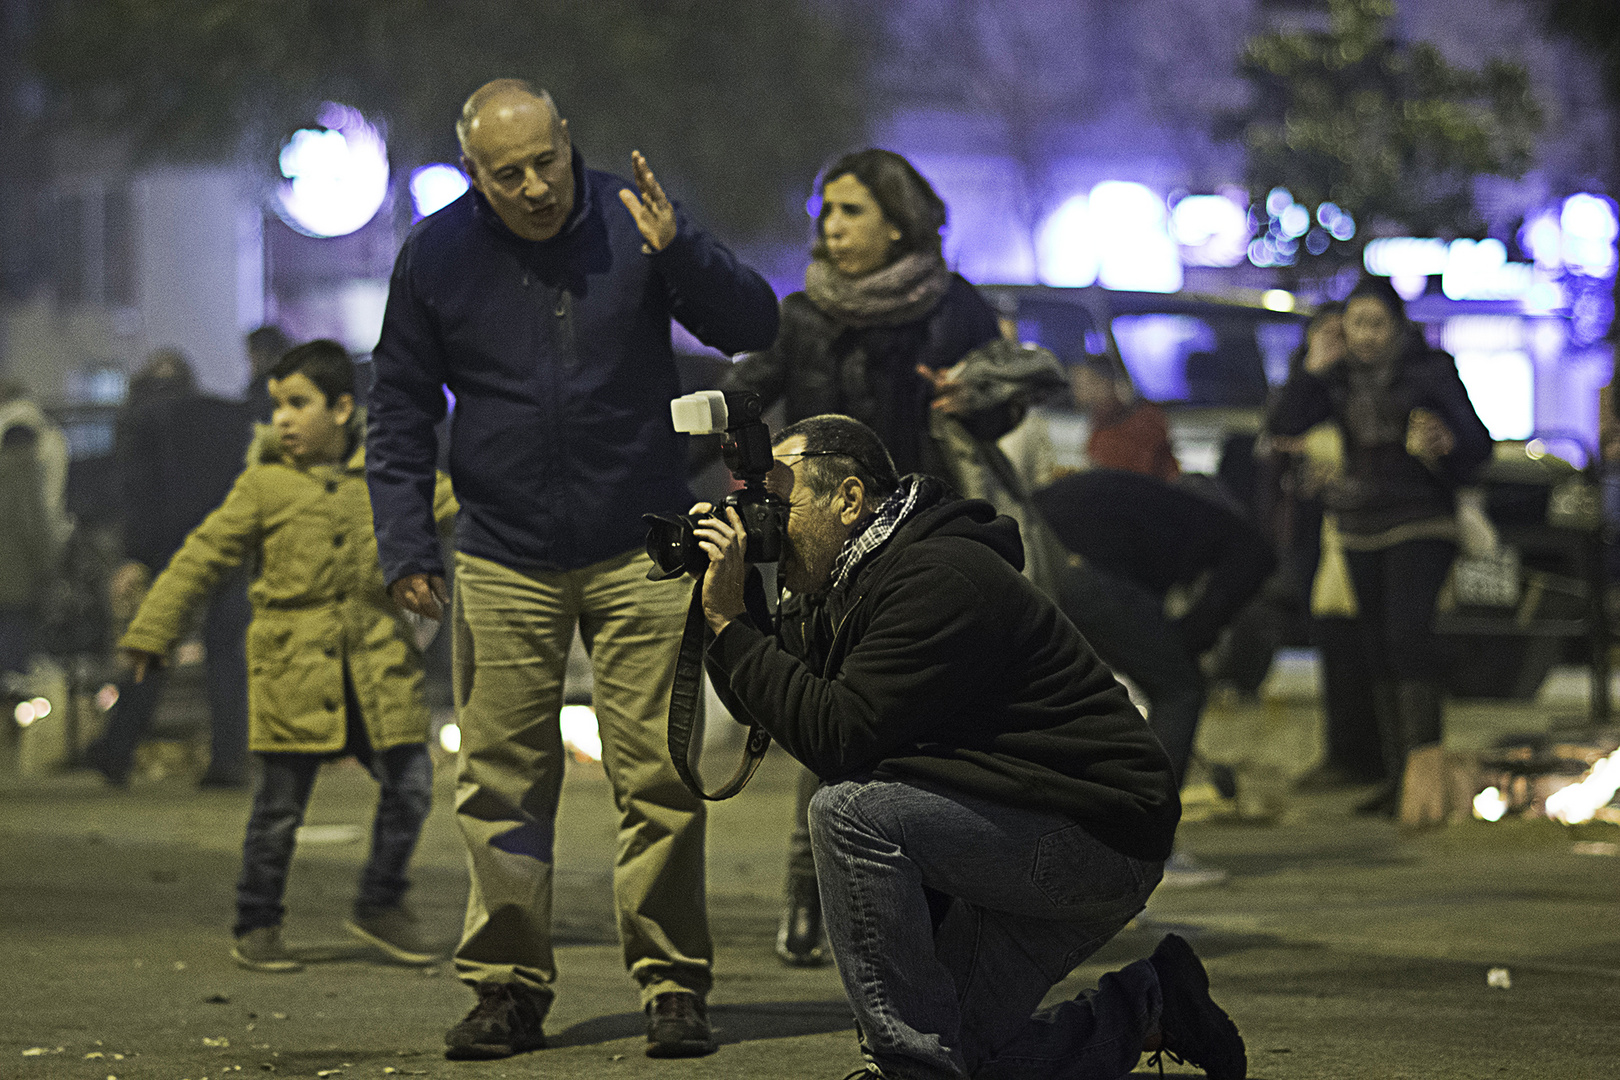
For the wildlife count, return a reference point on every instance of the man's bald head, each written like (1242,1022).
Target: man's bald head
(517,154)
(500,100)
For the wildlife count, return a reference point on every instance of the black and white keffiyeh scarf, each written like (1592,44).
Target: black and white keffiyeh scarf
(917,492)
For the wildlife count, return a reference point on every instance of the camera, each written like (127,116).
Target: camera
(671,541)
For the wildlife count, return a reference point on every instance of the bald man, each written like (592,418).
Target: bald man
(541,300)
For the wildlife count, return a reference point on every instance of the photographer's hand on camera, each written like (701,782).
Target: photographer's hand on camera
(725,542)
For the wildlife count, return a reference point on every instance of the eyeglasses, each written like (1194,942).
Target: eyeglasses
(815,453)
(859,464)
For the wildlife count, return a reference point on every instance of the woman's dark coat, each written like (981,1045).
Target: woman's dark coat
(1384,486)
(819,365)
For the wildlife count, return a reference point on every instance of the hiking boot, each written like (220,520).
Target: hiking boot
(678,1026)
(262,950)
(798,937)
(507,1020)
(393,931)
(1193,1030)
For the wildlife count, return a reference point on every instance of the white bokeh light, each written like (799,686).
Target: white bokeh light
(433,187)
(1501,386)
(1065,249)
(1589,229)
(1213,230)
(337,175)
(1118,236)
(580,734)
(1134,245)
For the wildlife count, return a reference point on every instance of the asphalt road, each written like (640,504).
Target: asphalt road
(1341,947)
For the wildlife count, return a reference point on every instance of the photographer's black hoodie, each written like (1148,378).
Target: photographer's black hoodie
(943,665)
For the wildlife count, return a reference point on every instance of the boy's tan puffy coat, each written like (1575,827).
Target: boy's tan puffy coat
(318,596)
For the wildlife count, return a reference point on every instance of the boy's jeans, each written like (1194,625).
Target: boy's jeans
(405,775)
(951,917)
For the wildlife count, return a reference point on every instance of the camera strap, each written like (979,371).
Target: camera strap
(686,701)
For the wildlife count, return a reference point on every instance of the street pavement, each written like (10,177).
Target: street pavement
(1342,947)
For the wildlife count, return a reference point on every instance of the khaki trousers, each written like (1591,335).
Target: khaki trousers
(512,632)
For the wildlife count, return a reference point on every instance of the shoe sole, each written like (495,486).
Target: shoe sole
(684,1049)
(1214,1027)
(404,956)
(1193,879)
(800,960)
(272,967)
(489,1051)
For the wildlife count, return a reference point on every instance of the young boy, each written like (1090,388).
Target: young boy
(333,665)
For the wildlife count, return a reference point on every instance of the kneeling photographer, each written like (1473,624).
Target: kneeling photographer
(994,809)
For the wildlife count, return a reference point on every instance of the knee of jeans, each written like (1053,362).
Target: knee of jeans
(417,802)
(277,822)
(1410,652)
(829,810)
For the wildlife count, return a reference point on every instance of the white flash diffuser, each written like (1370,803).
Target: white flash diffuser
(702,413)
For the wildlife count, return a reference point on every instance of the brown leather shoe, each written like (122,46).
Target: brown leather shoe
(678,1026)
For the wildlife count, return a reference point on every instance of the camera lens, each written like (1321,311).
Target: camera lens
(673,547)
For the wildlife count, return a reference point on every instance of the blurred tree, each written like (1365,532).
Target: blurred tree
(735,103)
(1388,131)
(1046,83)
(1594,24)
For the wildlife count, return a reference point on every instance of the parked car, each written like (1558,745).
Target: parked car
(1209,361)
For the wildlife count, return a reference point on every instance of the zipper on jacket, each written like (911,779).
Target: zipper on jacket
(832,646)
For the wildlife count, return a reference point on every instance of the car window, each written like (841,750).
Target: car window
(1155,349)
(1194,360)
(1278,340)
(1067,329)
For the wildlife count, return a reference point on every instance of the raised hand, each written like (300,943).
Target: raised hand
(1427,436)
(654,215)
(950,393)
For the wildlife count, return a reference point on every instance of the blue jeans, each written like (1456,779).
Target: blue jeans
(405,775)
(951,917)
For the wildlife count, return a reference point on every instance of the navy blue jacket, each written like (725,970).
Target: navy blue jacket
(558,355)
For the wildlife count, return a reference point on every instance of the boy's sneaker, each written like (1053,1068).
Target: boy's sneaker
(262,950)
(507,1020)
(393,931)
(1193,1029)
(678,1026)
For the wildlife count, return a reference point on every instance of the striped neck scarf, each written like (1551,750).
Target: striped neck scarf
(913,495)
